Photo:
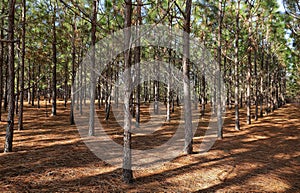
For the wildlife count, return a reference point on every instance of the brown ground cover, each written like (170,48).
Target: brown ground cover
(49,156)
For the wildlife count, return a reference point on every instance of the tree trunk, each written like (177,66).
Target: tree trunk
(137,58)
(256,85)
(66,84)
(267,84)
(188,146)
(219,109)
(249,69)
(127,171)
(17,73)
(156,83)
(33,86)
(1,59)
(261,95)
(72,121)
(29,84)
(99,92)
(236,68)
(11,79)
(54,60)
(93,79)
(38,88)
(203,94)
(20,118)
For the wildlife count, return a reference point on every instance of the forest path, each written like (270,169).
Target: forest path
(50,156)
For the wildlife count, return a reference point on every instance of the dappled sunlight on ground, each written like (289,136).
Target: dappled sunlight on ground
(50,156)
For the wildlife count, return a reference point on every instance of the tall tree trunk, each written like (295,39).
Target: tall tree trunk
(66,84)
(74,26)
(93,79)
(169,95)
(99,93)
(1,59)
(137,58)
(267,82)
(236,68)
(203,94)
(249,69)
(54,60)
(38,91)
(29,84)
(20,119)
(11,78)
(261,95)
(188,146)
(256,85)
(127,171)
(33,85)
(17,73)
(6,84)
(156,83)
(219,109)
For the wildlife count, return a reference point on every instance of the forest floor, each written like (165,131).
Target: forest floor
(50,156)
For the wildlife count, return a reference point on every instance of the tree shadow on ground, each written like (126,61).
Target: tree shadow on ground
(50,156)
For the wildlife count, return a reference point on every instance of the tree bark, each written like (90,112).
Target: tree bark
(72,120)
(20,118)
(236,68)
(93,79)
(249,69)
(54,60)
(33,85)
(66,76)
(11,77)
(219,109)
(188,146)
(261,95)
(29,84)
(127,171)
(1,60)
(256,85)
(137,58)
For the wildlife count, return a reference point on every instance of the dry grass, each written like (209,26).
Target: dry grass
(49,156)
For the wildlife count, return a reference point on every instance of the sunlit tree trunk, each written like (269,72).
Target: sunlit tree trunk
(236,68)
(218,75)
(93,79)
(17,81)
(248,100)
(188,147)
(203,94)
(127,171)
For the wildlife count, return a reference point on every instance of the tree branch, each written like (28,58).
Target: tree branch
(9,41)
